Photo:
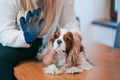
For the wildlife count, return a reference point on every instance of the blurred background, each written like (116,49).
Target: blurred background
(98,19)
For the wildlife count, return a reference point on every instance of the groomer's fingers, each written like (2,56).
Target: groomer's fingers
(34,12)
(22,23)
(38,11)
(32,17)
(28,16)
(35,15)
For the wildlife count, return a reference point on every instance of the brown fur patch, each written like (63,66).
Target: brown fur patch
(74,55)
(56,34)
(73,58)
(69,40)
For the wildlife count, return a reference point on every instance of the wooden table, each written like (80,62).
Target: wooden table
(106,62)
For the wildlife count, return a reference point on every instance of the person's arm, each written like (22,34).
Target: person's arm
(23,28)
(68,18)
(10,33)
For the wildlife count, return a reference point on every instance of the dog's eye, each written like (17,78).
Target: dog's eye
(66,38)
(55,36)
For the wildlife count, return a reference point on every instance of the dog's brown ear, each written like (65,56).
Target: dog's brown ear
(82,48)
(74,55)
(73,58)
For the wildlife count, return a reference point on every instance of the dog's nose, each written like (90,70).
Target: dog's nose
(59,41)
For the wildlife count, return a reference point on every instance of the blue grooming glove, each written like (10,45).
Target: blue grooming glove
(32,25)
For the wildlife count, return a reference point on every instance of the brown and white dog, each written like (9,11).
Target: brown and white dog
(64,53)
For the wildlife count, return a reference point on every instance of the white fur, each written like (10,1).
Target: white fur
(61,58)
(74,70)
(84,63)
(52,69)
(58,66)
(57,47)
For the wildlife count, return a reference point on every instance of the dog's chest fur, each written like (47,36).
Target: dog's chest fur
(60,59)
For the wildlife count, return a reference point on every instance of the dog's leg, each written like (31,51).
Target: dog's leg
(52,69)
(85,64)
(74,70)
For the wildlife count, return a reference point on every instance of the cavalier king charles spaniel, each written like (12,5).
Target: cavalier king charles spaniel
(64,53)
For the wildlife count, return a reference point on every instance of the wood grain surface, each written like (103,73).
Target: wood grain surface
(105,59)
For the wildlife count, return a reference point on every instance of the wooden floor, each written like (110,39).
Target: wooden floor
(106,61)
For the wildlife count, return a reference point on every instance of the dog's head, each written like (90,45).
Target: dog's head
(62,40)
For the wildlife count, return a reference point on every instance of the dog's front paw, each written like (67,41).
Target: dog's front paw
(74,70)
(52,69)
(88,67)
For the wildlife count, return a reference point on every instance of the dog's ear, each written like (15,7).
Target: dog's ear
(73,58)
(49,54)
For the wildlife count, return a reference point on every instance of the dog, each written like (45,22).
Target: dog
(64,53)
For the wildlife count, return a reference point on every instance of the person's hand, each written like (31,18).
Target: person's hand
(32,25)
